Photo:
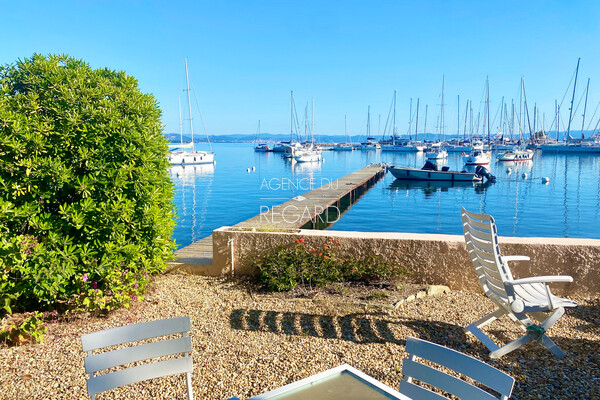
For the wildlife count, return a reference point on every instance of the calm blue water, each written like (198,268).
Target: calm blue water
(208,197)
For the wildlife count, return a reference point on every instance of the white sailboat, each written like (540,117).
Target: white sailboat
(479,156)
(310,153)
(437,152)
(179,156)
(260,147)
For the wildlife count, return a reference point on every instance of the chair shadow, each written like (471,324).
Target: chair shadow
(354,327)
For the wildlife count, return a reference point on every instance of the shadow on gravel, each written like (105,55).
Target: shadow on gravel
(355,327)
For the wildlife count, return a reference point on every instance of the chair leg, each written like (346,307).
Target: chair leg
(188,378)
(491,317)
(507,348)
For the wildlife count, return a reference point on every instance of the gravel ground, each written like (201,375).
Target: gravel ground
(246,343)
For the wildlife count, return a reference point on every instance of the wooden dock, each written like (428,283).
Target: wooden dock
(315,209)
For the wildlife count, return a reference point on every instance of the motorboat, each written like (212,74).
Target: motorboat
(403,145)
(516,155)
(343,147)
(430,172)
(190,157)
(477,157)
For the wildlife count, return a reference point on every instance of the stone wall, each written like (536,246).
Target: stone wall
(430,259)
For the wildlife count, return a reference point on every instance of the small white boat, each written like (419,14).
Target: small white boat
(477,157)
(370,144)
(429,172)
(435,154)
(516,155)
(405,146)
(308,155)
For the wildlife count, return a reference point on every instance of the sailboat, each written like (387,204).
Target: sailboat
(517,153)
(309,153)
(344,146)
(180,157)
(479,156)
(370,143)
(261,147)
(437,153)
(396,143)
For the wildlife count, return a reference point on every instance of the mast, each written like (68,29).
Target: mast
(521,110)
(394,121)
(410,119)
(425,128)
(527,110)
(417,122)
(180,123)
(291,116)
(458,117)
(312,121)
(368,121)
(487,99)
(512,120)
(585,108)
(573,99)
(442,111)
(187,82)
(465,126)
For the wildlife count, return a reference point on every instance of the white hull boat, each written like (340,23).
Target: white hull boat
(516,155)
(191,157)
(583,147)
(402,148)
(436,155)
(477,157)
(308,156)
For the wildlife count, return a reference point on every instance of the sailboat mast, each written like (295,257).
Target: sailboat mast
(187,82)
(521,110)
(573,99)
(291,116)
(487,106)
(585,108)
(394,121)
(417,122)
(458,117)
(180,123)
(465,125)
(425,127)
(442,111)
(410,119)
(312,123)
(368,121)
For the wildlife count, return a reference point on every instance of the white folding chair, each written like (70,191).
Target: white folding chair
(180,346)
(413,369)
(514,297)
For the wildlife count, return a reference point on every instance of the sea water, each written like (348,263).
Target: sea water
(231,191)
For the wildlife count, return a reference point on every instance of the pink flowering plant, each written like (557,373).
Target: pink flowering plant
(299,263)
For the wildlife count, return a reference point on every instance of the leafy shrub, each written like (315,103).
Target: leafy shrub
(85,199)
(288,266)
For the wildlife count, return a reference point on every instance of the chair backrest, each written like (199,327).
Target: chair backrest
(180,346)
(479,371)
(481,238)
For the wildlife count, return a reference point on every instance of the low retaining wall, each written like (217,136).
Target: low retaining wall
(430,259)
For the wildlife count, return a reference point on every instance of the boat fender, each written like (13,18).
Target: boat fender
(524,175)
(247,169)
(545,179)
(508,170)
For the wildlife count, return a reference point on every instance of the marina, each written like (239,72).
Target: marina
(560,196)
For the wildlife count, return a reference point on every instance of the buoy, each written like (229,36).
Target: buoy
(545,179)
(524,176)
(508,170)
(253,168)
(248,170)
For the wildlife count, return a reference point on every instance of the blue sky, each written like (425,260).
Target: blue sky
(244,57)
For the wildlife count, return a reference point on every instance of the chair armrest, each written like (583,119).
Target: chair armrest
(540,279)
(515,258)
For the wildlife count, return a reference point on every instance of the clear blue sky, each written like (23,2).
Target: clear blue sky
(245,56)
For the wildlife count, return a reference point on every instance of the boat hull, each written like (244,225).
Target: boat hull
(191,158)
(407,173)
(563,148)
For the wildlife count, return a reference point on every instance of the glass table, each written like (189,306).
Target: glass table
(343,382)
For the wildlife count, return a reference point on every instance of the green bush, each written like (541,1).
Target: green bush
(288,266)
(86,208)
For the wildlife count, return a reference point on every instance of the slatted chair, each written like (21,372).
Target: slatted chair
(513,297)
(180,346)
(413,368)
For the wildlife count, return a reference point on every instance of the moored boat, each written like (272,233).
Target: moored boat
(429,172)
(477,157)
(516,155)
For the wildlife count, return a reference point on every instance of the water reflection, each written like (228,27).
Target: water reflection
(428,187)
